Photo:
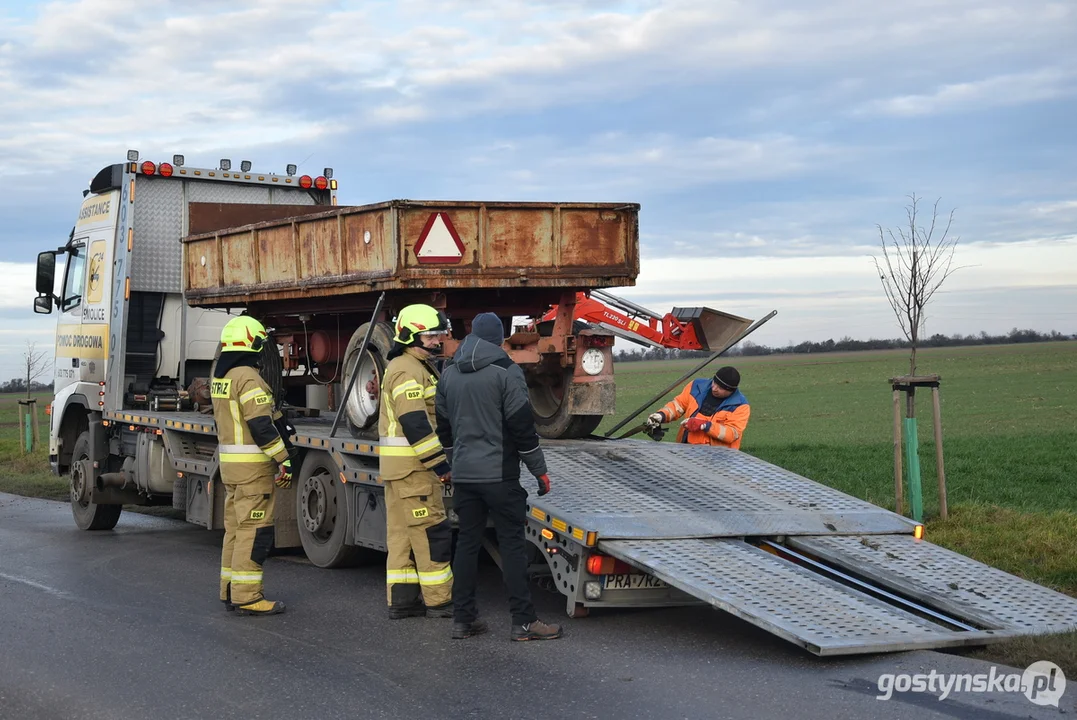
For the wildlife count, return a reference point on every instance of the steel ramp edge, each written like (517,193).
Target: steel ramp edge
(951,582)
(817,613)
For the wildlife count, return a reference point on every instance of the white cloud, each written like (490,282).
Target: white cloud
(1008,89)
(17,290)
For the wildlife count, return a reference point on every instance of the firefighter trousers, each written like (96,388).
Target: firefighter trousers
(419,540)
(248,537)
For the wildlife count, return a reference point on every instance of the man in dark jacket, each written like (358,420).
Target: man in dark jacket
(485,424)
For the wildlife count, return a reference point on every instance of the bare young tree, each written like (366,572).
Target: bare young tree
(915,262)
(37,364)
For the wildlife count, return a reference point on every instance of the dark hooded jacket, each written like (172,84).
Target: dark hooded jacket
(484,418)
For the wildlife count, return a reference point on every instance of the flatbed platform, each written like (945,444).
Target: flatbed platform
(827,571)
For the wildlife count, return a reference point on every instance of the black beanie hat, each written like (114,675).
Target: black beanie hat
(488,327)
(727,377)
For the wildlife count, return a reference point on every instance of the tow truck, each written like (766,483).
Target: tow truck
(161,253)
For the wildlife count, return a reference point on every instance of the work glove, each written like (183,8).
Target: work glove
(284,477)
(695,424)
(656,418)
(543,484)
(446,478)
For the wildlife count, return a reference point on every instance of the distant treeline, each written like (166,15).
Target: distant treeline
(846,344)
(18,385)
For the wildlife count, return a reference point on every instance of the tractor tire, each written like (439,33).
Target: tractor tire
(553,420)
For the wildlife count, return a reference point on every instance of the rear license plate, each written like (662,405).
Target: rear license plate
(632,581)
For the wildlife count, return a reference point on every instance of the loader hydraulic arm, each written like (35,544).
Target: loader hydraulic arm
(634,322)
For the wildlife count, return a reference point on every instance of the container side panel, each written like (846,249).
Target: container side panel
(238,259)
(465,220)
(319,243)
(594,239)
(519,239)
(202,264)
(276,255)
(368,244)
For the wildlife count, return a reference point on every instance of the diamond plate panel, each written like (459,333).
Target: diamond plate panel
(951,582)
(636,489)
(812,611)
(156,254)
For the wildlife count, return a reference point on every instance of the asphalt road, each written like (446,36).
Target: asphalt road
(126,624)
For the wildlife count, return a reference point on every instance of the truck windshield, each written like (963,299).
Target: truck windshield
(74,278)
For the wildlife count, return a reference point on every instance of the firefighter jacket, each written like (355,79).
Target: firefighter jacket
(407,442)
(249,443)
(728,421)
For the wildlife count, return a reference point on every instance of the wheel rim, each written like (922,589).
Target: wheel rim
(80,482)
(318,505)
(362,405)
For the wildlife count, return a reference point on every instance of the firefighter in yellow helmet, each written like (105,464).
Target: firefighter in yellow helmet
(413,467)
(254,457)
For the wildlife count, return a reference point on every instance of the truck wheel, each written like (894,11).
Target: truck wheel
(361,407)
(552,417)
(88,515)
(321,510)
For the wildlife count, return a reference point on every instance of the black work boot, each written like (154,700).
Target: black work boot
(439,611)
(535,630)
(399,612)
(462,630)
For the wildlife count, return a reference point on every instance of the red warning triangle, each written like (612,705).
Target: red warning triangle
(439,242)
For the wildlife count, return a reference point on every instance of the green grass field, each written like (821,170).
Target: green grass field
(20,473)
(1009,418)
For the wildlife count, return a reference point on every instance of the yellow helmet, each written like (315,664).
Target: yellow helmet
(243,334)
(415,320)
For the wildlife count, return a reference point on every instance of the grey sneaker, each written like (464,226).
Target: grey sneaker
(536,630)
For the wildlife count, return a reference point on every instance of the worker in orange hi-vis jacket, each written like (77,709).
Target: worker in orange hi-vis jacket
(715,411)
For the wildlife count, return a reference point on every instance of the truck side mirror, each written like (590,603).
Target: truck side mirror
(46,275)
(43,304)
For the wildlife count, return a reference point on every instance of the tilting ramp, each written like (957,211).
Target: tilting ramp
(815,612)
(838,576)
(635,489)
(955,584)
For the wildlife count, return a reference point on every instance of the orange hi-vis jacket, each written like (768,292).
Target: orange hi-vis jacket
(727,422)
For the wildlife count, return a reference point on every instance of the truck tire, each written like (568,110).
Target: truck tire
(362,406)
(321,511)
(88,515)
(553,419)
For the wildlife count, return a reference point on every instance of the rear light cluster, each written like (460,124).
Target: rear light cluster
(605,565)
(319,182)
(148,168)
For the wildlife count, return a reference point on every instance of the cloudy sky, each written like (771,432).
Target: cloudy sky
(764,139)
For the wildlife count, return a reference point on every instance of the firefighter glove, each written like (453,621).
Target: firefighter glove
(543,484)
(656,418)
(695,424)
(446,478)
(284,477)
